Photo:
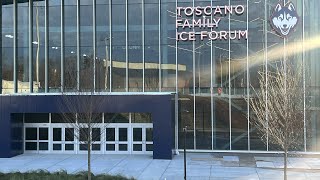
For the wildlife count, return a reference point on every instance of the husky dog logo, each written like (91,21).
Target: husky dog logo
(284,19)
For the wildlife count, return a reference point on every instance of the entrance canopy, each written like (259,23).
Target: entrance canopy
(160,105)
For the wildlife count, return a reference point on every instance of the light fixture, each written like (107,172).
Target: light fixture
(8,36)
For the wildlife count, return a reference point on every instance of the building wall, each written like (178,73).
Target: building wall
(130,46)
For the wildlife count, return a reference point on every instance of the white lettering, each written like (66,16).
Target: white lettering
(206,12)
(239,9)
(188,11)
(178,23)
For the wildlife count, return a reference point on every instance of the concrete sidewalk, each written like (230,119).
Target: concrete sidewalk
(202,166)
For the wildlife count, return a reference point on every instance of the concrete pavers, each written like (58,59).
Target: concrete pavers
(202,166)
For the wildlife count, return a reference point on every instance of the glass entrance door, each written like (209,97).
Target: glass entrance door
(117,139)
(63,139)
(142,138)
(36,138)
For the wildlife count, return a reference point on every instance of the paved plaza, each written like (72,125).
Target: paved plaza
(202,166)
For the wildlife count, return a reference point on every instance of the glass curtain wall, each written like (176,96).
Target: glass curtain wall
(130,46)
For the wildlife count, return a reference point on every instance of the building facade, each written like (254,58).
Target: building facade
(207,52)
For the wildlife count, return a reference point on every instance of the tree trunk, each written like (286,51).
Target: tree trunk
(285,164)
(89,159)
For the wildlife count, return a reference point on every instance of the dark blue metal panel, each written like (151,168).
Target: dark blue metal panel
(161,108)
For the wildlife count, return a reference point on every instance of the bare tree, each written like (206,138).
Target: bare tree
(80,110)
(278,107)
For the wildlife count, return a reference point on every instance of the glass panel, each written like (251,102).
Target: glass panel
(149,147)
(118,55)
(202,88)
(203,121)
(135,59)
(69,147)
(70,51)
(110,134)
(57,134)
(7,49)
(186,119)
(96,134)
(141,118)
(36,118)
(110,147)
(151,46)
(238,85)
(137,134)
(256,44)
(38,43)
(89,117)
(116,117)
(95,147)
(22,49)
(54,46)
(312,70)
(69,134)
(86,46)
(123,134)
(84,134)
(43,146)
(149,134)
(83,147)
(137,147)
(31,133)
(168,50)
(32,146)
(123,147)
(63,118)
(103,47)
(43,133)
(57,147)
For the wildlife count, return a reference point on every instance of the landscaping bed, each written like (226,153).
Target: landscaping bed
(61,175)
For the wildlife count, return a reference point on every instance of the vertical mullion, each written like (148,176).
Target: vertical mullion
(1,48)
(110,46)
(62,44)
(266,66)
(143,46)
(94,44)
(285,56)
(194,87)
(177,95)
(176,48)
(211,86)
(304,78)
(46,52)
(15,43)
(127,58)
(78,45)
(160,55)
(248,76)
(30,45)
(229,68)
